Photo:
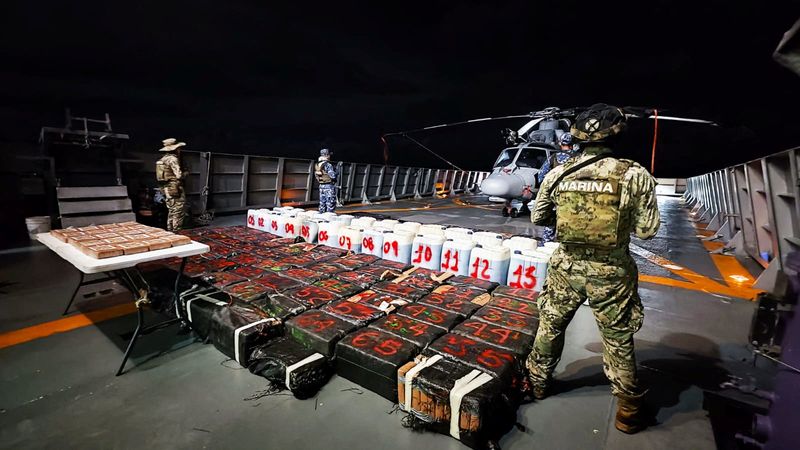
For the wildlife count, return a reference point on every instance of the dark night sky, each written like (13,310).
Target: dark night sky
(283,80)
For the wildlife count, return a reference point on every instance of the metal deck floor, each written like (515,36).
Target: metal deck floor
(59,391)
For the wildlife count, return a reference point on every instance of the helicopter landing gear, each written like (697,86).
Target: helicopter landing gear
(506,211)
(514,213)
(509,210)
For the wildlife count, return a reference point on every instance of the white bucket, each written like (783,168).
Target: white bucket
(411,227)
(455,256)
(489,263)
(309,230)
(329,233)
(372,242)
(37,224)
(350,239)
(487,239)
(520,243)
(397,246)
(363,223)
(527,270)
(427,251)
(458,233)
(431,230)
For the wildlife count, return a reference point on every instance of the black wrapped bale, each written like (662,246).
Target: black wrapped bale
(222,279)
(358,278)
(301,260)
(507,319)
(308,370)
(370,358)
(326,268)
(244,259)
(431,315)
(266,261)
(339,287)
(249,272)
(312,296)
(382,273)
(318,330)
(247,291)
(362,258)
(304,275)
(416,331)
(515,305)
(392,265)
(359,314)
(349,263)
(513,341)
(279,306)
(276,282)
(488,358)
(518,293)
(405,292)
(484,285)
(385,302)
(419,282)
(201,306)
(486,406)
(462,301)
(237,330)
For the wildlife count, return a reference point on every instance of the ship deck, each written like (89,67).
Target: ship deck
(59,390)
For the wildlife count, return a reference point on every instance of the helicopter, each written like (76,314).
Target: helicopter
(513,180)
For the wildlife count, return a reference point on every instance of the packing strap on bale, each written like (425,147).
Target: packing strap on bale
(237,332)
(412,373)
(300,364)
(461,388)
(204,298)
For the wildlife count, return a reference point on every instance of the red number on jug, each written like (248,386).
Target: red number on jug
(524,279)
(368,243)
(423,251)
(304,230)
(484,274)
(450,260)
(345,242)
(323,236)
(261,221)
(289,227)
(389,247)
(251,220)
(274,225)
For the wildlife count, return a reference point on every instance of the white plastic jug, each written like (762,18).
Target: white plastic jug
(411,227)
(519,243)
(553,245)
(329,233)
(260,219)
(372,242)
(363,223)
(487,238)
(305,215)
(455,256)
(329,216)
(385,224)
(426,251)
(431,230)
(397,246)
(309,230)
(292,226)
(276,223)
(490,263)
(527,269)
(345,219)
(458,233)
(350,239)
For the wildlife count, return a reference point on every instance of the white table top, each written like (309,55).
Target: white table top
(87,264)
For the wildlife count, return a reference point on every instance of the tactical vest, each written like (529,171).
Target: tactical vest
(164,171)
(588,206)
(322,175)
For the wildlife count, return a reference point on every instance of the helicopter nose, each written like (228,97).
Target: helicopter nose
(495,186)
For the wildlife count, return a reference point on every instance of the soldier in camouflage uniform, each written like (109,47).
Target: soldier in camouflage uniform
(326,176)
(556,159)
(596,202)
(170,177)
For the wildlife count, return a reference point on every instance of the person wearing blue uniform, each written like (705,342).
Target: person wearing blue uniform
(555,160)
(326,176)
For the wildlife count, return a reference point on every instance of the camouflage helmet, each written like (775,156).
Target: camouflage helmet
(598,122)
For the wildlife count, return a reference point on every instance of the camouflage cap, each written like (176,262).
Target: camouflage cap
(171,144)
(599,122)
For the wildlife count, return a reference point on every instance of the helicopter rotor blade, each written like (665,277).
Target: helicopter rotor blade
(684,119)
(463,122)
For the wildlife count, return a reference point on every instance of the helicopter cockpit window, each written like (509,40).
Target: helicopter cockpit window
(531,158)
(505,158)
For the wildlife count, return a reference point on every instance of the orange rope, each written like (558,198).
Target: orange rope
(655,137)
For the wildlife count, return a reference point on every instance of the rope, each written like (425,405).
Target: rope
(431,152)
(655,137)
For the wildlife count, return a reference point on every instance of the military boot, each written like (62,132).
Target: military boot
(630,417)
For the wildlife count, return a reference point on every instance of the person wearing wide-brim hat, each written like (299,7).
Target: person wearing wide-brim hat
(170,177)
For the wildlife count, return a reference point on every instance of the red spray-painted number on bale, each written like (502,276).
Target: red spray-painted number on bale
(323,236)
(345,242)
(314,322)
(422,311)
(457,345)
(390,247)
(514,305)
(485,331)
(509,319)
(450,260)
(484,274)
(423,251)
(387,347)
(524,279)
(494,358)
(368,243)
(307,292)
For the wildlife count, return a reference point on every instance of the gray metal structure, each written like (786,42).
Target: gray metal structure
(239,182)
(754,208)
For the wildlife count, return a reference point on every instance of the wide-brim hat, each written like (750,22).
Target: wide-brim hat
(171,144)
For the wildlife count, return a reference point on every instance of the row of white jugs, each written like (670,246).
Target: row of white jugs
(517,261)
